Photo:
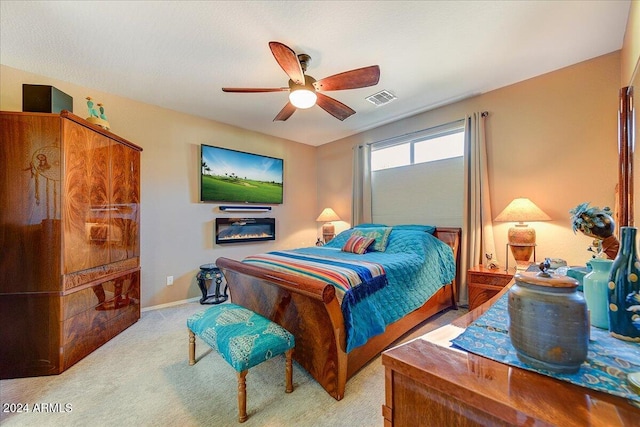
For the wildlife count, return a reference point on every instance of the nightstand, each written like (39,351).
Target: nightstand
(483,283)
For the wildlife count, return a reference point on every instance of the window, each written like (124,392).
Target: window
(391,157)
(419,178)
(439,143)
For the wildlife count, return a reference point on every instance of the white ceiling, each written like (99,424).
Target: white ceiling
(179,54)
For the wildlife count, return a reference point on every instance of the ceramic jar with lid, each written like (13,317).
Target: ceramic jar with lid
(548,322)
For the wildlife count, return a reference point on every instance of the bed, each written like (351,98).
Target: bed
(337,332)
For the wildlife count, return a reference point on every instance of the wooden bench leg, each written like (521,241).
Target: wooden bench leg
(289,371)
(242,396)
(192,348)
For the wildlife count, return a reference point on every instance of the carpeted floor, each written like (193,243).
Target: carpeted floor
(142,378)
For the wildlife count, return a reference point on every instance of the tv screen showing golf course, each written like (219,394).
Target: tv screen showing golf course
(235,176)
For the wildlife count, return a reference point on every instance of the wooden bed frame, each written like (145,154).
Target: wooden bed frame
(308,308)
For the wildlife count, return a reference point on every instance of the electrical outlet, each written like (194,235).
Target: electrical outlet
(169,280)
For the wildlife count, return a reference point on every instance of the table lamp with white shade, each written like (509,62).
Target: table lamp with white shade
(328,229)
(521,237)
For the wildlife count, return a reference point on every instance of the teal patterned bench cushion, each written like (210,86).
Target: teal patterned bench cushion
(242,337)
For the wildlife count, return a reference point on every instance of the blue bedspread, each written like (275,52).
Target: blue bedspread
(416,263)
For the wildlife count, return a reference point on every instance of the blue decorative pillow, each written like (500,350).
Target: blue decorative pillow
(380,234)
(339,240)
(415,227)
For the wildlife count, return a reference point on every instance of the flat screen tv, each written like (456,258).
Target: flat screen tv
(235,176)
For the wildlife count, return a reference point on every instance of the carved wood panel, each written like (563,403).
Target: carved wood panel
(30,334)
(29,203)
(86,198)
(125,202)
(94,315)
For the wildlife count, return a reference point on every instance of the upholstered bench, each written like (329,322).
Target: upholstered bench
(244,339)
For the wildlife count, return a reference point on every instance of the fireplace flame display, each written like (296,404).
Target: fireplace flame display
(238,230)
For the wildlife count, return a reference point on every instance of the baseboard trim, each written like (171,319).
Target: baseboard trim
(169,304)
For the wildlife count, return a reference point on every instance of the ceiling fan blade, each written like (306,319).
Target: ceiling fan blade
(334,107)
(288,60)
(253,89)
(286,112)
(354,79)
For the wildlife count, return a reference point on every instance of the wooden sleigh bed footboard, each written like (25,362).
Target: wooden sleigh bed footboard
(309,309)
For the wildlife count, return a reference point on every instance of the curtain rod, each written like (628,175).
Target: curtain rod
(415,132)
(482,114)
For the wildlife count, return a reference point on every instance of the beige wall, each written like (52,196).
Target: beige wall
(177,231)
(552,138)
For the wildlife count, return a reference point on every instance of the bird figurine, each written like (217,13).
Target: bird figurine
(102,115)
(491,263)
(98,119)
(92,111)
(544,266)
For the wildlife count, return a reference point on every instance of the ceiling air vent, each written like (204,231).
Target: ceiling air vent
(381,98)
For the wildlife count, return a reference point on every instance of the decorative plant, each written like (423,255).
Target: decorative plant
(597,223)
(592,221)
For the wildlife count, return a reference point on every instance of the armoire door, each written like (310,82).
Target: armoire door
(86,210)
(125,202)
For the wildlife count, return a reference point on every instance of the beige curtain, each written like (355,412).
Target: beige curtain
(361,198)
(477,230)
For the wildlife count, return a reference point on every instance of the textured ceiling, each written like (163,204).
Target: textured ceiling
(179,54)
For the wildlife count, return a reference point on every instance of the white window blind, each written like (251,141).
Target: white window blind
(423,178)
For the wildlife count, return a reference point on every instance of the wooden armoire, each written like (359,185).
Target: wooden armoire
(69,240)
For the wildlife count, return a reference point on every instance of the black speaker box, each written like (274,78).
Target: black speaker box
(45,99)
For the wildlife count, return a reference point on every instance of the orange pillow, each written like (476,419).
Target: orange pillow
(357,244)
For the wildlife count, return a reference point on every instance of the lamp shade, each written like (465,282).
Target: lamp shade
(327,215)
(521,210)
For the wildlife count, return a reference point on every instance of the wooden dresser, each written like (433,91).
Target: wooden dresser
(484,283)
(69,232)
(430,385)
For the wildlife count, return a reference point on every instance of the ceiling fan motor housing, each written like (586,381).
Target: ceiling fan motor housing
(308,84)
(304,61)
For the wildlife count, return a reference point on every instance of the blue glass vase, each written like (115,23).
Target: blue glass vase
(596,293)
(624,289)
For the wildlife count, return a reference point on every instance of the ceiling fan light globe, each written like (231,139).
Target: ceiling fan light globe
(303,98)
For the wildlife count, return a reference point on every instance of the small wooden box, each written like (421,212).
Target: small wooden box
(45,99)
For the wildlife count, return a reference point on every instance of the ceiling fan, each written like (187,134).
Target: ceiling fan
(305,91)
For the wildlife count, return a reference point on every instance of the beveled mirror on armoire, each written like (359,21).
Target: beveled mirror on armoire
(635,134)
(628,181)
